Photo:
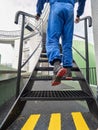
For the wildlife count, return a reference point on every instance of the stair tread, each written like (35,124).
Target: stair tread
(59,95)
(51,68)
(50,78)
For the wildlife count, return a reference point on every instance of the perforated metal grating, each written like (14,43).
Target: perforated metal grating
(56,95)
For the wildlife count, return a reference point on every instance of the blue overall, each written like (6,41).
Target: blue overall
(60,24)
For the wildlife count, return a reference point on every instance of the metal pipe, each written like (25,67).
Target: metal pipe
(30,56)
(20,57)
(86,50)
(22,13)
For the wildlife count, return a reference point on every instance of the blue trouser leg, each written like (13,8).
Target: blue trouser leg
(53,34)
(67,37)
(57,26)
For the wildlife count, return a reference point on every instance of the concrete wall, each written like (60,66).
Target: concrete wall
(94,8)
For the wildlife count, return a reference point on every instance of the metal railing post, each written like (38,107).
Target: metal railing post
(20,57)
(86,52)
(86,58)
(23,14)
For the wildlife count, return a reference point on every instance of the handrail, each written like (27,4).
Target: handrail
(24,14)
(30,56)
(79,36)
(89,20)
(30,35)
(79,54)
(86,43)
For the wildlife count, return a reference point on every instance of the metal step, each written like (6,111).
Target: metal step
(43,60)
(51,69)
(46,60)
(56,95)
(39,78)
(43,55)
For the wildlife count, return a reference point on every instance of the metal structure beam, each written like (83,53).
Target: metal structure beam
(94,8)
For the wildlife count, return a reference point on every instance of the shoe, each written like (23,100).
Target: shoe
(59,72)
(56,69)
(68,75)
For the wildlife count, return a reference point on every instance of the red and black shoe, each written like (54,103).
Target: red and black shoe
(57,78)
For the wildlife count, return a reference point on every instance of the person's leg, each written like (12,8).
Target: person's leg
(55,25)
(67,38)
(54,30)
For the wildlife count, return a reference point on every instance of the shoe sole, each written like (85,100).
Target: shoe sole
(59,76)
(67,77)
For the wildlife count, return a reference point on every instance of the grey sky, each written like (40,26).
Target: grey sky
(8,9)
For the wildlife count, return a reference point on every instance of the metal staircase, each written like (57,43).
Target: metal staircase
(84,94)
(27,93)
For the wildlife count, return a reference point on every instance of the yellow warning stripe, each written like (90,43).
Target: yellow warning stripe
(55,122)
(31,122)
(79,121)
